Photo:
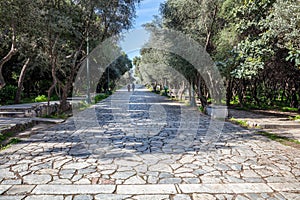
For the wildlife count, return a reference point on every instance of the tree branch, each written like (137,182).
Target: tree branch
(7,57)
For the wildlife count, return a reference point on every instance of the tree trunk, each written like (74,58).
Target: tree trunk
(63,104)
(203,100)
(6,58)
(240,91)
(294,101)
(228,92)
(181,91)
(192,95)
(210,30)
(190,92)
(21,80)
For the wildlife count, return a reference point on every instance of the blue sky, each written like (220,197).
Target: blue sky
(135,38)
(145,11)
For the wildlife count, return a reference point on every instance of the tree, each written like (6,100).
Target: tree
(68,24)
(16,24)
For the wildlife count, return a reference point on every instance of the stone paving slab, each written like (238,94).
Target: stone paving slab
(147,148)
(25,106)
(12,197)
(294,187)
(4,188)
(73,189)
(20,189)
(146,189)
(230,188)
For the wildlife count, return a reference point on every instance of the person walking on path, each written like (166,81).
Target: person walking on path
(128,87)
(133,86)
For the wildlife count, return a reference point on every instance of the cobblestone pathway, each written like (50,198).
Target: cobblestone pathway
(145,147)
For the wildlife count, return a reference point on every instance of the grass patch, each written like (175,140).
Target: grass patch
(297,117)
(81,106)
(5,137)
(281,139)
(239,122)
(57,116)
(11,142)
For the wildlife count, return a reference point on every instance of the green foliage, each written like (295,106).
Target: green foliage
(7,94)
(164,92)
(284,25)
(289,109)
(53,35)
(201,109)
(297,117)
(41,98)
(100,97)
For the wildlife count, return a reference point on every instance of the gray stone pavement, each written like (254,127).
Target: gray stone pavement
(144,146)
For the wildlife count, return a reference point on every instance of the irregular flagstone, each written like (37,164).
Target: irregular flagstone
(108,172)
(83,197)
(58,164)
(127,163)
(161,168)
(48,171)
(183,170)
(44,197)
(135,180)
(61,182)
(140,157)
(170,181)
(111,197)
(76,165)
(181,197)
(37,179)
(20,167)
(123,175)
(191,180)
(204,197)
(151,197)
(5,173)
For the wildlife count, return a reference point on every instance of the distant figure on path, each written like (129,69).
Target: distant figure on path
(133,86)
(128,87)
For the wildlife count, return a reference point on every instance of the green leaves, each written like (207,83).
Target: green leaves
(294,56)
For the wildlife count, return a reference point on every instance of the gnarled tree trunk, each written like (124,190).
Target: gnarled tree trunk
(21,80)
(7,57)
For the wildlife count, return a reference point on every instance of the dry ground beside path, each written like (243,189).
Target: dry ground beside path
(274,122)
(127,157)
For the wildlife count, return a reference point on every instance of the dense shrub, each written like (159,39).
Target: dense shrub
(40,98)
(100,97)
(7,94)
